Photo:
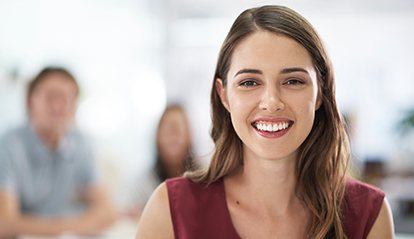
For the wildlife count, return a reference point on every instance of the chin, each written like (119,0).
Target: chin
(59,127)
(274,154)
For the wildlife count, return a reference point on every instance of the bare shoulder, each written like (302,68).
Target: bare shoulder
(155,221)
(383,227)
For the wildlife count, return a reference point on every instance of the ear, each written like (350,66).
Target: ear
(221,90)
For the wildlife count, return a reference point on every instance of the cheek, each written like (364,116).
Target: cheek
(72,110)
(39,107)
(305,113)
(241,105)
(241,101)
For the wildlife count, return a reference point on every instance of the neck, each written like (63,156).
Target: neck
(173,167)
(50,138)
(270,181)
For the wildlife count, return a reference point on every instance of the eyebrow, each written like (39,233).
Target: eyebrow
(293,69)
(283,71)
(244,71)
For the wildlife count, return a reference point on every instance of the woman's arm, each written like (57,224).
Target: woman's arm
(383,227)
(155,221)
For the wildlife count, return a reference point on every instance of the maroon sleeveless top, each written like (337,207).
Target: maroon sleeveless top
(200,212)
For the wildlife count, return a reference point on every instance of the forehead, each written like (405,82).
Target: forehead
(174,115)
(56,81)
(269,51)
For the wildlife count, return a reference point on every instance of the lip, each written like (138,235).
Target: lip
(273,120)
(273,135)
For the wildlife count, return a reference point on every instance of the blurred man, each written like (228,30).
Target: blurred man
(48,183)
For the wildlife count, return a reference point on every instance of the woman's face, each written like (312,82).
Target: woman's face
(271,94)
(173,136)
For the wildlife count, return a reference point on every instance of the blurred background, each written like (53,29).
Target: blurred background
(132,57)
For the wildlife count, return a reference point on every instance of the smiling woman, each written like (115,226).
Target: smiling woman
(279,169)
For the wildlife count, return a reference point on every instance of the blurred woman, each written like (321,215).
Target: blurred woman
(174,148)
(173,154)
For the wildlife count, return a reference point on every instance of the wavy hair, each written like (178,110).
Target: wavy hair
(323,157)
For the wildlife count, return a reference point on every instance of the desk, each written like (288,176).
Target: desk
(122,229)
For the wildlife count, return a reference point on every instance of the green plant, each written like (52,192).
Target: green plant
(407,122)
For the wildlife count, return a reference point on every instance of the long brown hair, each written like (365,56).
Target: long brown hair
(323,156)
(188,162)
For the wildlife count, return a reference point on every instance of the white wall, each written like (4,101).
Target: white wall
(132,56)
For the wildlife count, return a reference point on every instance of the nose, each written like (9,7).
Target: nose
(60,103)
(271,100)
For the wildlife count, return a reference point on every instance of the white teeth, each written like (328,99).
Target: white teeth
(269,127)
(272,127)
(262,126)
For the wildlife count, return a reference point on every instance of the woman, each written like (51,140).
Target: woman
(174,149)
(173,158)
(279,166)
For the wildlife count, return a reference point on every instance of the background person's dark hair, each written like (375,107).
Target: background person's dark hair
(44,73)
(188,163)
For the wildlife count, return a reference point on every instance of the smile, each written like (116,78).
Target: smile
(272,129)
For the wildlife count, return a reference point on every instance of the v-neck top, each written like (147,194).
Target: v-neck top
(200,211)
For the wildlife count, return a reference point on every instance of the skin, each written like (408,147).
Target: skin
(383,227)
(51,112)
(155,221)
(173,139)
(260,204)
(52,108)
(275,210)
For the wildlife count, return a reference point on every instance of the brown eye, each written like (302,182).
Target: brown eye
(294,82)
(248,83)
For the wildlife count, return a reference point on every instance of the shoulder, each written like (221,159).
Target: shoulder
(155,221)
(362,205)
(180,184)
(157,217)
(13,144)
(182,190)
(358,194)
(384,224)
(12,136)
(184,183)
(356,188)
(198,209)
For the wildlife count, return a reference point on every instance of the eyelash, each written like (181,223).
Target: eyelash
(296,82)
(244,83)
(290,82)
